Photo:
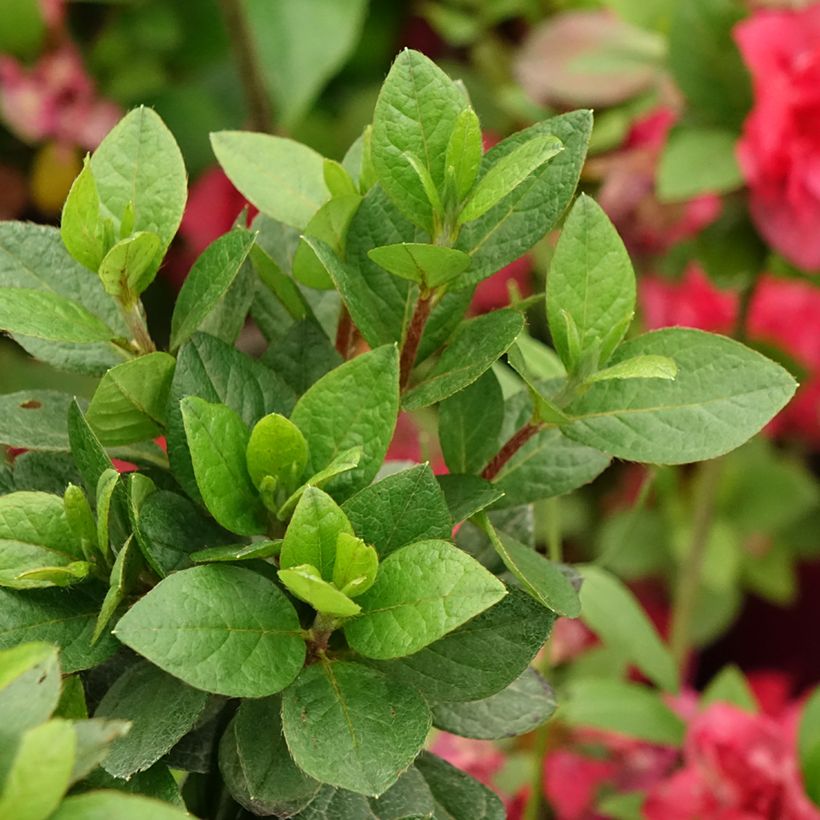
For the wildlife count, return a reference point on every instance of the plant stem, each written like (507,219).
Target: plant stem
(135,319)
(412,341)
(554,546)
(344,334)
(260,111)
(514,444)
(688,583)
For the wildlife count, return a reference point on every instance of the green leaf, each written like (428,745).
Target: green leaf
(355,567)
(338,180)
(161,710)
(472,350)
(540,577)
(329,224)
(464,152)
(33,256)
(24,29)
(462,797)
(415,114)
(29,688)
(724,393)
(696,161)
(422,592)
(130,266)
(301,44)
(106,485)
(610,610)
(591,284)
(525,704)
(344,461)
(545,408)
(518,221)
(469,424)
(481,657)
(467,495)
(337,804)
(638,367)
(228,317)
(55,616)
(93,740)
(364,394)
(54,574)
(549,464)
(89,456)
(507,173)
(627,708)
(256,765)
(80,520)
(140,176)
(156,782)
(238,552)
(808,746)
(80,226)
(45,315)
(429,265)
(34,419)
(729,686)
(129,403)
(244,636)
(217,439)
(38,519)
(39,773)
(210,277)
(400,509)
(276,448)
(104,805)
(305,582)
(352,727)
(409,797)
(124,574)
(311,535)
(283,178)
(217,372)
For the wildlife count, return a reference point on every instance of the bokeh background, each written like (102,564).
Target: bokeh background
(705,154)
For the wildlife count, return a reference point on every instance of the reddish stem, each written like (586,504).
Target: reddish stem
(344,334)
(413,339)
(514,444)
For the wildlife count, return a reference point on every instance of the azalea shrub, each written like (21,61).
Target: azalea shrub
(358,478)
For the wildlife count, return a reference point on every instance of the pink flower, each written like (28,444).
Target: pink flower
(479,758)
(493,292)
(779,151)
(737,766)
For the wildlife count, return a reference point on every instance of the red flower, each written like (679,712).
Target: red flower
(737,766)
(780,148)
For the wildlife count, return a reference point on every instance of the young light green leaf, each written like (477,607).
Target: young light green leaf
(278,449)
(129,403)
(55,575)
(283,178)
(80,520)
(427,185)
(29,688)
(106,804)
(808,745)
(282,288)
(422,592)
(611,611)
(627,708)
(464,152)
(39,772)
(729,686)
(352,727)
(312,533)
(540,577)
(160,708)
(364,393)
(208,281)
(305,582)
(45,315)
(415,114)
(217,440)
(80,225)
(355,567)
(238,552)
(106,485)
(723,394)
(457,793)
(329,224)
(130,266)
(592,281)
(338,180)
(519,220)
(429,265)
(545,409)
(469,424)
(507,173)
(525,704)
(481,657)
(344,461)
(472,350)
(638,367)
(400,509)
(255,762)
(244,635)
(124,574)
(140,177)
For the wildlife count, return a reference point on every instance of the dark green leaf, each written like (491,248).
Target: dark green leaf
(29,687)
(35,419)
(467,495)
(808,746)
(105,805)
